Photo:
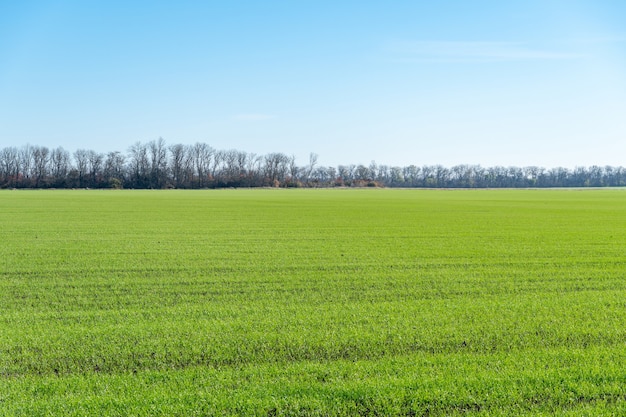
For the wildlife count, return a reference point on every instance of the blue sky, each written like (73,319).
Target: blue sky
(399,82)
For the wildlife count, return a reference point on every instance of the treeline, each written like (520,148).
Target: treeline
(155,165)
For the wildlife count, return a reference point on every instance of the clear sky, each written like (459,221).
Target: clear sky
(528,82)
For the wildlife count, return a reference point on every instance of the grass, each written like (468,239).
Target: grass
(313,302)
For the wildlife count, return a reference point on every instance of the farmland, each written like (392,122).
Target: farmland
(313,302)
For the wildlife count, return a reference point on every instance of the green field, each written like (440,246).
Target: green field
(313,302)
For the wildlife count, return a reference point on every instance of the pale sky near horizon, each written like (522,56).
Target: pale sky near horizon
(533,82)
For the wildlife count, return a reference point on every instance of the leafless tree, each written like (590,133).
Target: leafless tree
(202,158)
(9,166)
(276,167)
(158,163)
(60,163)
(114,169)
(139,165)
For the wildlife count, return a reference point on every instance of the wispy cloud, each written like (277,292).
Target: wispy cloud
(253,117)
(600,40)
(464,51)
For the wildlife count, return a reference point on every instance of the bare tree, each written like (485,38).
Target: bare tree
(94,167)
(177,164)
(411,175)
(41,158)
(158,163)
(275,168)
(202,156)
(26,164)
(230,172)
(396,174)
(81,159)
(362,173)
(9,167)
(139,165)
(253,170)
(114,169)
(308,171)
(59,166)
(294,172)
